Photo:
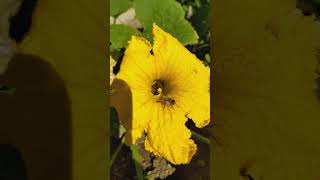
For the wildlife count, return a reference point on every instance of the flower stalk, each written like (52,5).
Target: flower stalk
(117,151)
(200,137)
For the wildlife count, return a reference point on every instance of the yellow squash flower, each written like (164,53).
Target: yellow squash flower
(156,90)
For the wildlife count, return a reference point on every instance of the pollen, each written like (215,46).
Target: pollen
(157,88)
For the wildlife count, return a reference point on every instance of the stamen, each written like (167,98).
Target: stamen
(157,87)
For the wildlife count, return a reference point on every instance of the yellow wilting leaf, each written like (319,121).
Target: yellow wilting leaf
(70,35)
(265,98)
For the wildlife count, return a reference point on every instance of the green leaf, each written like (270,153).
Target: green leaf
(200,20)
(118,6)
(117,151)
(167,14)
(198,3)
(137,160)
(200,137)
(207,56)
(117,130)
(120,35)
(114,125)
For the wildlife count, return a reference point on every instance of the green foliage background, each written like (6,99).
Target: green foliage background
(170,15)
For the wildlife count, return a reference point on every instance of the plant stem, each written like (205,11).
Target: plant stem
(137,159)
(115,154)
(200,137)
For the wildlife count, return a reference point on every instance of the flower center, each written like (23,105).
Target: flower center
(160,91)
(157,87)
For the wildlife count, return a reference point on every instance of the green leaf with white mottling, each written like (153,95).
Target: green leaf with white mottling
(120,35)
(167,14)
(118,6)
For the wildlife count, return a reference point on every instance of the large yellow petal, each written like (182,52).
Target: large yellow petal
(133,113)
(167,136)
(199,98)
(136,66)
(188,75)
(172,58)
(132,97)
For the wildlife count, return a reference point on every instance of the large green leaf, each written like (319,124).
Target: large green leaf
(167,14)
(120,35)
(118,6)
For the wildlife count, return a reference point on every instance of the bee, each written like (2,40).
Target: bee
(166,101)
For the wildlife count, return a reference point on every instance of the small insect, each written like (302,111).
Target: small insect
(166,101)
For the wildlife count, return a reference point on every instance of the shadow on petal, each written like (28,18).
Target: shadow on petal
(121,99)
